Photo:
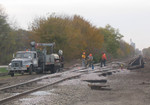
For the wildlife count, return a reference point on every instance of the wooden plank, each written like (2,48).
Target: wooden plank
(97,81)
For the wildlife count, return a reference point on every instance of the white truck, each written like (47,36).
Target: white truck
(36,60)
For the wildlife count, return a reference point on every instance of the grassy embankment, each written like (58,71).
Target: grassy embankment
(3,76)
(3,70)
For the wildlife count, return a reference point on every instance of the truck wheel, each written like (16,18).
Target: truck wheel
(142,66)
(37,72)
(22,72)
(53,70)
(30,69)
(12,74)
(58,69)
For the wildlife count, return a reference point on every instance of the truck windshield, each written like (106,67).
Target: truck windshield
(23,55)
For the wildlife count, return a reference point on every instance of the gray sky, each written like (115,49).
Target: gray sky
(131,17)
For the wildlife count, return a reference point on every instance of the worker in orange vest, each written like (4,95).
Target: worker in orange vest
(103,59)
(83,59)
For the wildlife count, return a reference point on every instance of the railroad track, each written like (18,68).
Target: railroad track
(18,90)
(5,74)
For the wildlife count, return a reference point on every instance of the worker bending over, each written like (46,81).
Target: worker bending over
(90,60)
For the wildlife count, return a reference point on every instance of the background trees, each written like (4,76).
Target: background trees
(5,31)
(112,39)
(72,34)
(146,52)
(11,40)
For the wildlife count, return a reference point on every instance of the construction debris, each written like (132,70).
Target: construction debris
(118,65)
(92,77)
(99,86)
(97,81)
(136,63)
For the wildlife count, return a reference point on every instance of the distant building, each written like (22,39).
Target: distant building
(132,43)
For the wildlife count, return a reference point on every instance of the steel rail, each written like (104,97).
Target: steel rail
(28,82)
(34,80)
(50,84)
(35,89)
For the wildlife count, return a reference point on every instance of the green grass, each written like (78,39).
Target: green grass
(3,70)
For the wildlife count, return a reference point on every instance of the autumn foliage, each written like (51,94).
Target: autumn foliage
(75,34)
(72,34)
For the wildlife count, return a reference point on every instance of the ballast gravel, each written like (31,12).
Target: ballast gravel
(127,88)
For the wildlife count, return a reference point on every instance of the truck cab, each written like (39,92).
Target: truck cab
(24,61)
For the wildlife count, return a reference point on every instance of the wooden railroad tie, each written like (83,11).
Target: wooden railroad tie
(98,85)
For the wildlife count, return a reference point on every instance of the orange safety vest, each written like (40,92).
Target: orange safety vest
(83,56)
(104,56)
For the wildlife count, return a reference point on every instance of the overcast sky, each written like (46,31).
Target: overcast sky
(131,17)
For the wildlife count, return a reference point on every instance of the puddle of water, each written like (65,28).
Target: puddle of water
(41,93)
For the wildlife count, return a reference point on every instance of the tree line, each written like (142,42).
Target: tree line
(72,34)
(146,52)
